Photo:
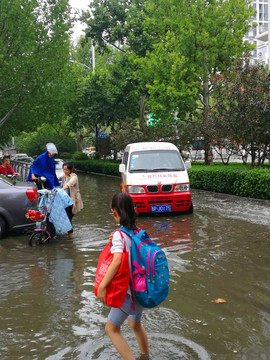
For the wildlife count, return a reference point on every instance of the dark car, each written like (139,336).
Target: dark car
(15,200)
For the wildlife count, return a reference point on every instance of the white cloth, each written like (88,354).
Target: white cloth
(118,247)
(51,148)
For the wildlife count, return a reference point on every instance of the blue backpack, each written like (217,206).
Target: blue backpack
(150,272)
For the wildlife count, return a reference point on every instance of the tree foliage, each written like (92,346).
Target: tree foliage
(241,108)
(175,47)
(106,97)
(34,143)
(34,48)
(118,23)
(192,41)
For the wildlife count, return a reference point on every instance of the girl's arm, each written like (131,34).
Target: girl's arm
(112,270)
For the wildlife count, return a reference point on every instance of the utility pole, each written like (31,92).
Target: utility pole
(94,56)
(93,69)
(268,22)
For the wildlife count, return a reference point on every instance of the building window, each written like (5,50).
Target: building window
(265,15)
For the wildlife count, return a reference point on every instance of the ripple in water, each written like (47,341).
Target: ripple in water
(162,347)
(255,211)
(96,345)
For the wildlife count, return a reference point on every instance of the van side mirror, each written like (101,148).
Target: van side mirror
(122,168)
(188,164)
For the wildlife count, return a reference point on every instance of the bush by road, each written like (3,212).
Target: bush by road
(108,167)
(236,179)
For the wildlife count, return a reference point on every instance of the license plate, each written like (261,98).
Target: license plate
(161,208)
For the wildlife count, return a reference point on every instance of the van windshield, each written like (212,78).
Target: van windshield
(155,161)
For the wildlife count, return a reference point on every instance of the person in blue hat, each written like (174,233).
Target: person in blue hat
(44,166)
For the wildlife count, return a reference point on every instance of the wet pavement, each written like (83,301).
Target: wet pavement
(48,309)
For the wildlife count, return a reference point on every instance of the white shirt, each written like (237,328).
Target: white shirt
(118,247)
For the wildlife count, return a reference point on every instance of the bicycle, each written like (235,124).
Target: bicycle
(45,230)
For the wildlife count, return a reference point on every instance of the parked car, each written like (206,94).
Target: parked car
(26,159)
(14,202)
(92,149)
(59,167)
(18,156)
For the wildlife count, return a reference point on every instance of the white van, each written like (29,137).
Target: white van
(155,176)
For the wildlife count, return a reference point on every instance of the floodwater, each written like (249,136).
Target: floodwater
(48,309)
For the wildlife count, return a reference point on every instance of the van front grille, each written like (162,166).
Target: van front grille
(166,188)
(152,188)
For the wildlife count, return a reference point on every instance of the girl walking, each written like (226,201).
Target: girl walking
(122,208)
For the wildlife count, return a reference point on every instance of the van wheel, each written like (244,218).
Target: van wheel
(190,210)
(3,227)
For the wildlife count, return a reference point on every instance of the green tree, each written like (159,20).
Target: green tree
(107,97)
(192,40)
(34,48)
(118,23)
(241,108)
(34,143)
(176,46)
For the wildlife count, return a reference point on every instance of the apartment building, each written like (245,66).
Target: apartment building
(259,35)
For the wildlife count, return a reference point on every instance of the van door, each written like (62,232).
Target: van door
(124,170)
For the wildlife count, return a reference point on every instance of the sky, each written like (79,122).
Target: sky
(80,5)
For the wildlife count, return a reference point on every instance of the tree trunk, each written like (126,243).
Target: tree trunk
(80,143)
(206,125)
(263,156)
(253,154)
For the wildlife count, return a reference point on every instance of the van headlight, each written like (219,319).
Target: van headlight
(181,187)
(135,189)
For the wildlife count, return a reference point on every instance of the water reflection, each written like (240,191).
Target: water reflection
(48,309)
(174,233)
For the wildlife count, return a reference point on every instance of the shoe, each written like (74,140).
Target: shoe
(70,235)
(143,357)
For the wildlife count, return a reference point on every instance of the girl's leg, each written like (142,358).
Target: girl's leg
(141,336)
(113,331)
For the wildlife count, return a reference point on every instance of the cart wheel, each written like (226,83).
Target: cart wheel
(38,238)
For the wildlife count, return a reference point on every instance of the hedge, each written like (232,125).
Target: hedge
(235,179)
(232,179)
(107,167)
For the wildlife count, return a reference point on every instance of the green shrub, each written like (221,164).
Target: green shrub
(98,166)
(78,155)
(65,155)
(236,179)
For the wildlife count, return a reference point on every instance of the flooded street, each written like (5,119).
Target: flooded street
(48,309)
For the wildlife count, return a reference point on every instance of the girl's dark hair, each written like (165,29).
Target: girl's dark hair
(123,204)
(69,165)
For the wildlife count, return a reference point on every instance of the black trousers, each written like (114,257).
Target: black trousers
(70,216)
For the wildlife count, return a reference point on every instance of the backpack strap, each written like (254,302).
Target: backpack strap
(130,233)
